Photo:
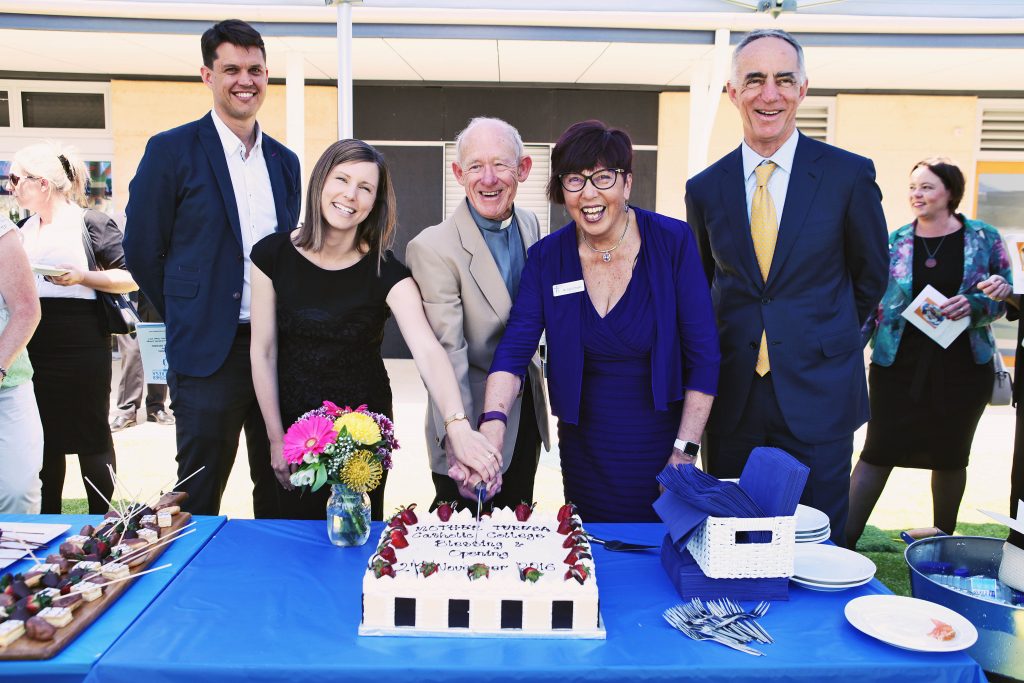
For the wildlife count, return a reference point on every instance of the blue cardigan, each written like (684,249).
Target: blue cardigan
(685,353)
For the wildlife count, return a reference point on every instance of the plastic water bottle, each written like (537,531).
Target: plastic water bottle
(961,580)
(983,586)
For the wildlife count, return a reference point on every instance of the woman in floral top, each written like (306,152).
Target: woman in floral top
(926,400)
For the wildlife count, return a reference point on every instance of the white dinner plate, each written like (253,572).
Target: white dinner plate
(906,622)
(814,539)
(12,551)
(830,564)
(828,587)
(809,520)
(42,269)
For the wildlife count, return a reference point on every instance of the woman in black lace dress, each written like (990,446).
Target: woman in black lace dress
(320,297)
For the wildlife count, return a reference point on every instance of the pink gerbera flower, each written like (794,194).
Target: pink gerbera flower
(311,435)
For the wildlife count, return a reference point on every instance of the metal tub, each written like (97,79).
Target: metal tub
(1000,646)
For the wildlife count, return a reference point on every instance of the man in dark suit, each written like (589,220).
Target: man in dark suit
(203,194)
(796,255)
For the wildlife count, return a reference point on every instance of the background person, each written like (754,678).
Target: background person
(999,288)
(321,297)
(133,380)
(925,400)
(792,235)
(70,349)
(21,436)
(632,346)
(468,269)
(204,193)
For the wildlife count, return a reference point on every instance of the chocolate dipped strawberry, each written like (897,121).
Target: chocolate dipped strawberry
(478,571)
(445,510)
(530,574)
(408,514)
(524,510)
(398,538)
(578,572)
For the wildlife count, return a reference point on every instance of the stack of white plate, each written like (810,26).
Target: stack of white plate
(811,525)
(830,568)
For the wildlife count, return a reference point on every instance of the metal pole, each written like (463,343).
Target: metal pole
(344,69)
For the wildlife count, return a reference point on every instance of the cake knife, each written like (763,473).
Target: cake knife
(481,489)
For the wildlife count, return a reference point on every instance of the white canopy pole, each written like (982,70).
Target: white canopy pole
(705,94)
(345,67)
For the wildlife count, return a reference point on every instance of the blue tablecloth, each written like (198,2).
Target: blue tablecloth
(273,601)
(74,661)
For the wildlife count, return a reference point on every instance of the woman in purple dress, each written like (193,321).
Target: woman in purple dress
(632,346)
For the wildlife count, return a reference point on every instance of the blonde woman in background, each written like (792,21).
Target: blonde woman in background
(70,350)
(21,434)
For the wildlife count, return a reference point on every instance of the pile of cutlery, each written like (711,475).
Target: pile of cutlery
(723,621)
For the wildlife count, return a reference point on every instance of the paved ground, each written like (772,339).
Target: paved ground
(145,456)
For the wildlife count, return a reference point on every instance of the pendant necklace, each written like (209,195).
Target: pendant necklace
(931,261)
(606,254)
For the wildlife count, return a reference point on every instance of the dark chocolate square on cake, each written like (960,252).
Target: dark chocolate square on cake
(561,614)
(511,613)
(405,611)
(458,614)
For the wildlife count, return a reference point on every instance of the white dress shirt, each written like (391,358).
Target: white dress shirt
(57,242)
(254,196)
(778,183)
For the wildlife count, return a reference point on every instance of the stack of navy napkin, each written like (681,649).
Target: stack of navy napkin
(770,486)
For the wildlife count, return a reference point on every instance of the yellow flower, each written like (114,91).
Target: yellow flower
(361,472)
(361,427)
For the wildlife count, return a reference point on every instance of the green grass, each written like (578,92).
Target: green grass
(885,548)
(74,506)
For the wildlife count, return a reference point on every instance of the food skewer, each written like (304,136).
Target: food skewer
(153,499)
(126,578)
(105,499)
(145,549)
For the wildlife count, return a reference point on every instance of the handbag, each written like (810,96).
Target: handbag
(116,311)
(1002,386)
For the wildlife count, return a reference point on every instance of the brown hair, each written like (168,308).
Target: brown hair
(950,175)
(377,232)
(587,144)
(234,31)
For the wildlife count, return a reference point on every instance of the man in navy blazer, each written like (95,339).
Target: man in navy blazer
(203,194)
(827,273)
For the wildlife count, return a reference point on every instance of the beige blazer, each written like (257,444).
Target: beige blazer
(467,304)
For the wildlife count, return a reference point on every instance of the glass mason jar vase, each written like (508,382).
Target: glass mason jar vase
(348,516)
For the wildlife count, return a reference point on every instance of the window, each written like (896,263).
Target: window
(1000,194)
(815,117)
(74,113)
(63,110)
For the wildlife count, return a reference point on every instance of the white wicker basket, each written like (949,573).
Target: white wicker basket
(715,549)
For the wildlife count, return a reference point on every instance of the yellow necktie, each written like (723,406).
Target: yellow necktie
(764,230)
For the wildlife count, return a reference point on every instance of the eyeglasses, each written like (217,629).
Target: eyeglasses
(15,179)
(602,180)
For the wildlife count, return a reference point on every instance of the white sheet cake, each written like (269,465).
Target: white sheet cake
(509,578)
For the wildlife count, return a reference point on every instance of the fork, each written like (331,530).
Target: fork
(677,619)
(731,607)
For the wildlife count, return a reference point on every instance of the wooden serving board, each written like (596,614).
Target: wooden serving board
(86,612)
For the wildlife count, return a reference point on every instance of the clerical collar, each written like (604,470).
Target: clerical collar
(488,224)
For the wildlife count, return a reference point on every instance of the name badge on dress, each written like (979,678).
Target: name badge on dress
(567,288)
